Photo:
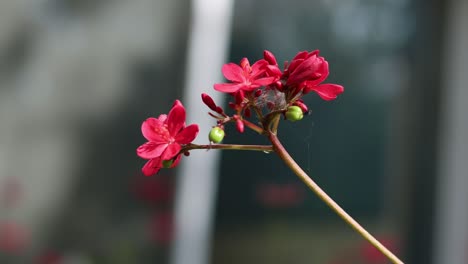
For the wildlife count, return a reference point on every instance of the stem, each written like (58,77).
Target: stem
(275,123)
(267,148)
(253,126)
(284,155)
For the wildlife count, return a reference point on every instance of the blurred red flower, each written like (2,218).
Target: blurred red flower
(50,257)
(154,190)
(162,227)
(275,195)
(13,237)
(372,255)
(10,192)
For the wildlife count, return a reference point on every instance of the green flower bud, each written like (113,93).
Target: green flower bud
(167,163)
(294,113)
(216,135)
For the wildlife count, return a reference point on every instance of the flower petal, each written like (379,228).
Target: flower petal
(326,91)
(321,74)
(265,81)
(301,55)
(150,127)
(171,151)
(151,167)
(229,87)
(273,70)
(187,135)
(233,72)
(269,57)
(176,118)
(258,68)
(305,70)
(176,161)
(151,150)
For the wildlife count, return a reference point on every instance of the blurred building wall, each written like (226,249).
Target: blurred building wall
(451,229)
(66,68)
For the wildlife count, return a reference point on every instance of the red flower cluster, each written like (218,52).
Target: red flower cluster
(262,89)
(264,85)
(166,136)
(305,73)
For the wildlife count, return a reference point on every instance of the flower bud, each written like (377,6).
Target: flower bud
(303,106)
(208,101)
(216,135)
(294,113)
(167,163)
(239,96)
(240,126)
(247,112)
(269,57)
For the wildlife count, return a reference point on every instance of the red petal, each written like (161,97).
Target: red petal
(326,91)
(269,57)
(151,167)
(293,65)
(314,52)
(323,73)
(300,55)
(264,81)
(176,161)
(171,151)
(151,150)
(258,68)
(304,71)
(273,70)
(177,103)
(239,96)
(233,72)
(149,128)
(228,87)
(187,135)
(176,118)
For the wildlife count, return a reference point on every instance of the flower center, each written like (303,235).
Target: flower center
(164,133)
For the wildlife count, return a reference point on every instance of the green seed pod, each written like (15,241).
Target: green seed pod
(167,163)
(216,135)
(294,113)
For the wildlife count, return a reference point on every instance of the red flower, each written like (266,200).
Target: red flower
(244,77)
(13,237)
(162,227)
(372,255)
(50,257)
(307,71)
(166,135)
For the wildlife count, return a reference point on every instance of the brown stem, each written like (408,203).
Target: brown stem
(284,155)
(266,148)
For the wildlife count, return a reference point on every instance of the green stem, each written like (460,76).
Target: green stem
(284,155)
(267,148)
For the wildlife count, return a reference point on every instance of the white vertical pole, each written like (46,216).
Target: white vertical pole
(197,182)
(451,234)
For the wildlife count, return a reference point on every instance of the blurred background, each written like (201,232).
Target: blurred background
(78,77)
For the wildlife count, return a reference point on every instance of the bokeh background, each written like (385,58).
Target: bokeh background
(77,78)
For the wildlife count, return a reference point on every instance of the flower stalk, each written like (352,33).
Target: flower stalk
(291,163)
(264,148)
